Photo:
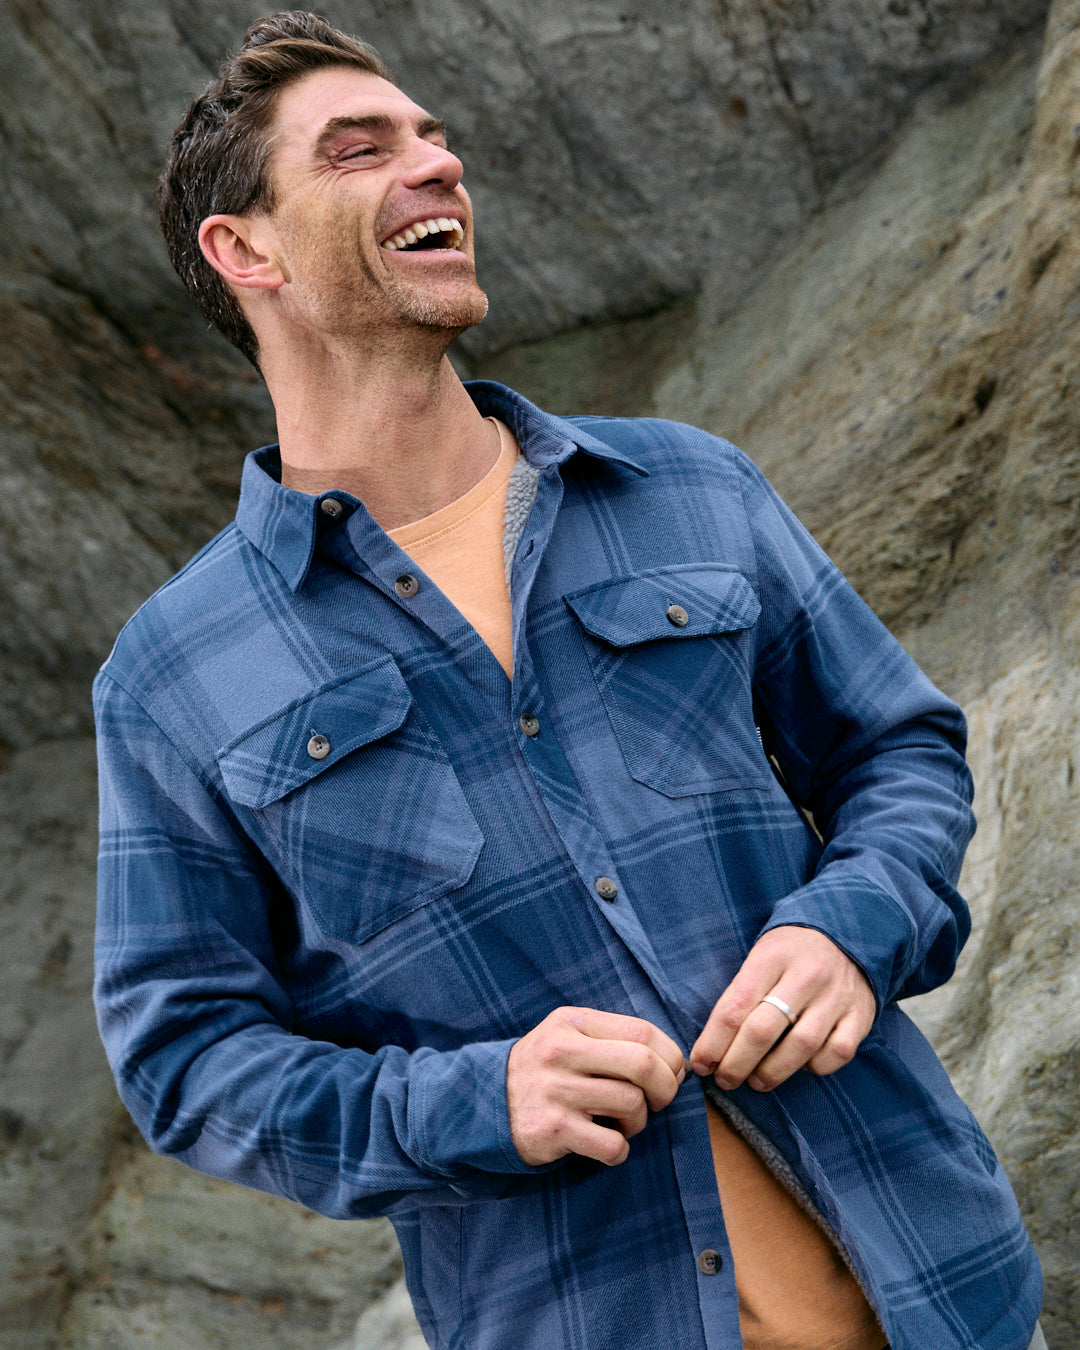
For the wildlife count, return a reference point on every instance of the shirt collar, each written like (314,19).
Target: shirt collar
(283,523)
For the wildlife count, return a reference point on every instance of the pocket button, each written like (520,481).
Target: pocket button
(678,616)
(318,747)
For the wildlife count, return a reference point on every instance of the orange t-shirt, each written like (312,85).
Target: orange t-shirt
(795,1292)
(460,548)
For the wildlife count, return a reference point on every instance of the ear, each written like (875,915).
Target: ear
(236,247)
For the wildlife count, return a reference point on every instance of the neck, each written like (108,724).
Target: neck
(396,429)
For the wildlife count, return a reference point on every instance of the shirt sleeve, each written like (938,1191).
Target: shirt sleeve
(196,1020)
(873,750)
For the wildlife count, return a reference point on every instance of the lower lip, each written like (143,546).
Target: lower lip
(449,254)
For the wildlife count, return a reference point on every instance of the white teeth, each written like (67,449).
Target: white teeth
(421,230)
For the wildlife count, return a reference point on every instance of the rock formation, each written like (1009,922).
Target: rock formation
(843,234)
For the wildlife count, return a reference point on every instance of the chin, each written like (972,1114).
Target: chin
(440,303)
(457,312)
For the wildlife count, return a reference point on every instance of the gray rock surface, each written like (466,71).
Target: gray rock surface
(861,219)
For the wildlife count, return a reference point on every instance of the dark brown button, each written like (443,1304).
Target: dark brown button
(678,616)
(318,747)
(709,1262)
(406,586)
(331,507)
(529,724)
(605,888)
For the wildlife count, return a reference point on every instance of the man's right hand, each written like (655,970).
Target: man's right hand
(578,1064)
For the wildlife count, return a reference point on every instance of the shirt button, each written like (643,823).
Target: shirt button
(678,616)
(406,586)
(331,507)
(529,724)
(709,1262)
(605,888)
(318,747)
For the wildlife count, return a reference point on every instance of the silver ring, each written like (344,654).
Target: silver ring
(792,1017)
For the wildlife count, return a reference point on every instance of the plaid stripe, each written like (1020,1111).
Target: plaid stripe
(311,969)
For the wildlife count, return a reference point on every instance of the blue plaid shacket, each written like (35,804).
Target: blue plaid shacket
(312,966)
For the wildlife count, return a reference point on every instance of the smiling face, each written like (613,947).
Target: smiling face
(371,227)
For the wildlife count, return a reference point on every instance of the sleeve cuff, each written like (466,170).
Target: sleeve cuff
(463,1126)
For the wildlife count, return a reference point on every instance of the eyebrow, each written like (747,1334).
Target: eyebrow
(377,122)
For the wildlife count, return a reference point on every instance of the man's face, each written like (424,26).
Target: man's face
(371,226)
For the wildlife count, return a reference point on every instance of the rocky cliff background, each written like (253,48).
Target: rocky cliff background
(843,233)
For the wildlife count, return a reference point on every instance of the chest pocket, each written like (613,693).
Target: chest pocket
(353,800)
(671,655)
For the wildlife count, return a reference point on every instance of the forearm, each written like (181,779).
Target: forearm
(344,1132)
(873,750)
(196,1014)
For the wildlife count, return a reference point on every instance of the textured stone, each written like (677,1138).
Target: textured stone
(601,190)
(58,1108)
(879,294)
(198,1264)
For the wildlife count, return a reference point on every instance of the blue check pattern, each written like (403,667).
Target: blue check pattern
(311,968)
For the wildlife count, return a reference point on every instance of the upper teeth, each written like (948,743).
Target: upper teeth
(422,228)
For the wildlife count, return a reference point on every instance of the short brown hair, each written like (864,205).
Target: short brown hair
(220,152)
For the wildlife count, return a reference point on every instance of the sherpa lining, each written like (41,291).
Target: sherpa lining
(520,495)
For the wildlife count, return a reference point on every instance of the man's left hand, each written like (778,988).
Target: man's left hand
(830,996)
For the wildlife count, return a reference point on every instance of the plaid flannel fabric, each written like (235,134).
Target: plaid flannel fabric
(338,879)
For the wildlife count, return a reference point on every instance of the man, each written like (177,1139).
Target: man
(386,931)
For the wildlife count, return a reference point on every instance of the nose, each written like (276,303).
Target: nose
(432,165)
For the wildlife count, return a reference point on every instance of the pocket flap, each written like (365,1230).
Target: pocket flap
(675,602)
(271,759)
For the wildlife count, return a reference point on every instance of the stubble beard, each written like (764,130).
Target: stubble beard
(449,313)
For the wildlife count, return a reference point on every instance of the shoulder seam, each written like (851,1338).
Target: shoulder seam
(108,674)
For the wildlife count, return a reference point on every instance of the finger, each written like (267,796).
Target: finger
(840,1048)
(755,1039)
(611,1097)
(740,999)
(607,1026)
(580,1134)
(794,1052)
(629,1123)
(568,1120)
(633,1064)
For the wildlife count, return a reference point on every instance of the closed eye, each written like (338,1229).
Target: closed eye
(355,152)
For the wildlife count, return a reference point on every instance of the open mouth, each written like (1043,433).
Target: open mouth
(437,233)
